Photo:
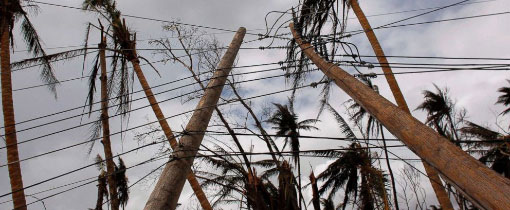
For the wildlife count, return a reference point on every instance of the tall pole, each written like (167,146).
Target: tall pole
(489,189)
(435,181)
(169,187)
(107,146)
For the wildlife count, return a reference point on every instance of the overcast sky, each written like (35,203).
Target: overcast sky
(474,90)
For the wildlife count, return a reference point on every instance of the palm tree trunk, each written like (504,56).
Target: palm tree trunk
(110,164)
(393,185)
(299,181)
(435,181)
(170,184)
(18,193)
(315,192)
(485,186)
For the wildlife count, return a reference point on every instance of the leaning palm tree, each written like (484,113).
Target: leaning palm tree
(286,123)
(123,45)
(11,12)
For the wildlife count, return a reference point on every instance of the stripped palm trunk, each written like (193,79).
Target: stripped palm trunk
(485,188)
(18,193)
(435,181)
(169,187)
(107,146)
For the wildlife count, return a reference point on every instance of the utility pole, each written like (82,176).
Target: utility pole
(169,187)
(487,188)
(435,181)
(107,146)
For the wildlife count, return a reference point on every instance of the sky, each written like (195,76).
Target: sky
(476,91)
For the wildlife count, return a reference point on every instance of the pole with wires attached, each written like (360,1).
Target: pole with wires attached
(487,188)
(169,186)
(435,181)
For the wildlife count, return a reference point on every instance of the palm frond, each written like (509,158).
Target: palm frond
(344,126)
(34,45)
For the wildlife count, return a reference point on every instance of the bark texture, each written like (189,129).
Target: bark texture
(14,168)
(195,185)
(435,181)
(170,184)
(107,146)
(485,186)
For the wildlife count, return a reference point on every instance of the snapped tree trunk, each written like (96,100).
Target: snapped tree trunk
(485,186)
(18,193)
(169,186)
(435,181)
(110,164)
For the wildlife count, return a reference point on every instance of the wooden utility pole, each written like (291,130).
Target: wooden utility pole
(107,146)
(435,181)
(488,188)
(169,187)
(195,185)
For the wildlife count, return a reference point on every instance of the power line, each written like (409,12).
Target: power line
(139,126)
(195,156)
(170,82)
(142,107)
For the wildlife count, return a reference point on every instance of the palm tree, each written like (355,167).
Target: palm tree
(119,176)
(287,124)
(124,51)
(346,171)
(495,155)
(440,109)
(99,69)
(11,12)
(504,98)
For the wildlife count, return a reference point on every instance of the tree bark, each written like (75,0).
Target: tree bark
(170,184)
(14,168)
(485,186)
(435,181)
(110,164)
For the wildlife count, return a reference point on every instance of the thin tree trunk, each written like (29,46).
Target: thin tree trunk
(435,181)
(18,193)
(170,184)
(110,164)
(392,178)
(315,192)
(483,185)
(263,132)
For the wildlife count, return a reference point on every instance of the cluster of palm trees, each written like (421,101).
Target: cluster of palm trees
(353,179)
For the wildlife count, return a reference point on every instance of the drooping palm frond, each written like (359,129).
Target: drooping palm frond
(479,132)
(34,46)
(122,183)
(504,98)
(344,126)
(47,74)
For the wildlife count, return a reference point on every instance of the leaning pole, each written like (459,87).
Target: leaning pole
(489,189)
(169,186)
(435,181)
